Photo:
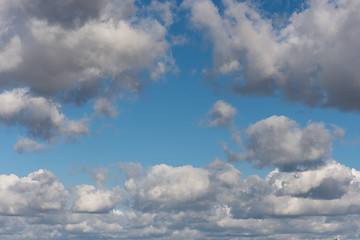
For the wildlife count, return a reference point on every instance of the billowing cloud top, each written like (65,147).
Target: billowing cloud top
(74,51)
(313,59)
(164,202)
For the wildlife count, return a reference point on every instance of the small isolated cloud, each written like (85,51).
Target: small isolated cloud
(27,145)
(104,107)
(222,114)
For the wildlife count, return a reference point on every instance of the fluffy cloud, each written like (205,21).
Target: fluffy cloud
(328,182)
(165,186)
(222,114)
(41,118)
(298,60)
(166,202)
(36,193)
(28,145)
(89,199)
(280,142)
(76,51)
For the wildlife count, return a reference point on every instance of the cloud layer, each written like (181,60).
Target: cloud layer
(166,202)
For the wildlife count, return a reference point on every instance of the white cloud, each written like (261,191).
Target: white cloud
(96,49)
(92,200)
(93,42)
(298,60)
(165,186)
(36,193)
(185,202)
(328,182)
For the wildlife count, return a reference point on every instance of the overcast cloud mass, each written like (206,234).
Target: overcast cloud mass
(81,53)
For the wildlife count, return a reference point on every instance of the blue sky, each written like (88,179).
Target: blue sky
(179,119)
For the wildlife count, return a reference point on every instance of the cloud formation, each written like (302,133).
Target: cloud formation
(166,202)
(222,115)
(279,141)
(40,117)
(312,59)
(28,145)
(75,52)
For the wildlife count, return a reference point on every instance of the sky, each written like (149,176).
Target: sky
(223,119)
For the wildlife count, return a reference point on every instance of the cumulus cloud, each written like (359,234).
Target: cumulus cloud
(168,202)
(75,45)
(28,145)
(328,182)
(279,141)
(76,51)
(297,60)
(36,193)
(41,117)
(222,115)
(92,200)
(165,186)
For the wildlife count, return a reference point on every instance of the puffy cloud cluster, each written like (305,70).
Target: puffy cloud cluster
(76,45)
(75,51)
(279,141)
(312,59)
(164,186)
(37,193)
(90,199)
(165,202)
(40,116)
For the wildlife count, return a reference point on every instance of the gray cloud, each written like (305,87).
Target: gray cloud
(28,145)
(222,115)
(40,116)
(280,142)
(76,51)
(103,107)
(312,59)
